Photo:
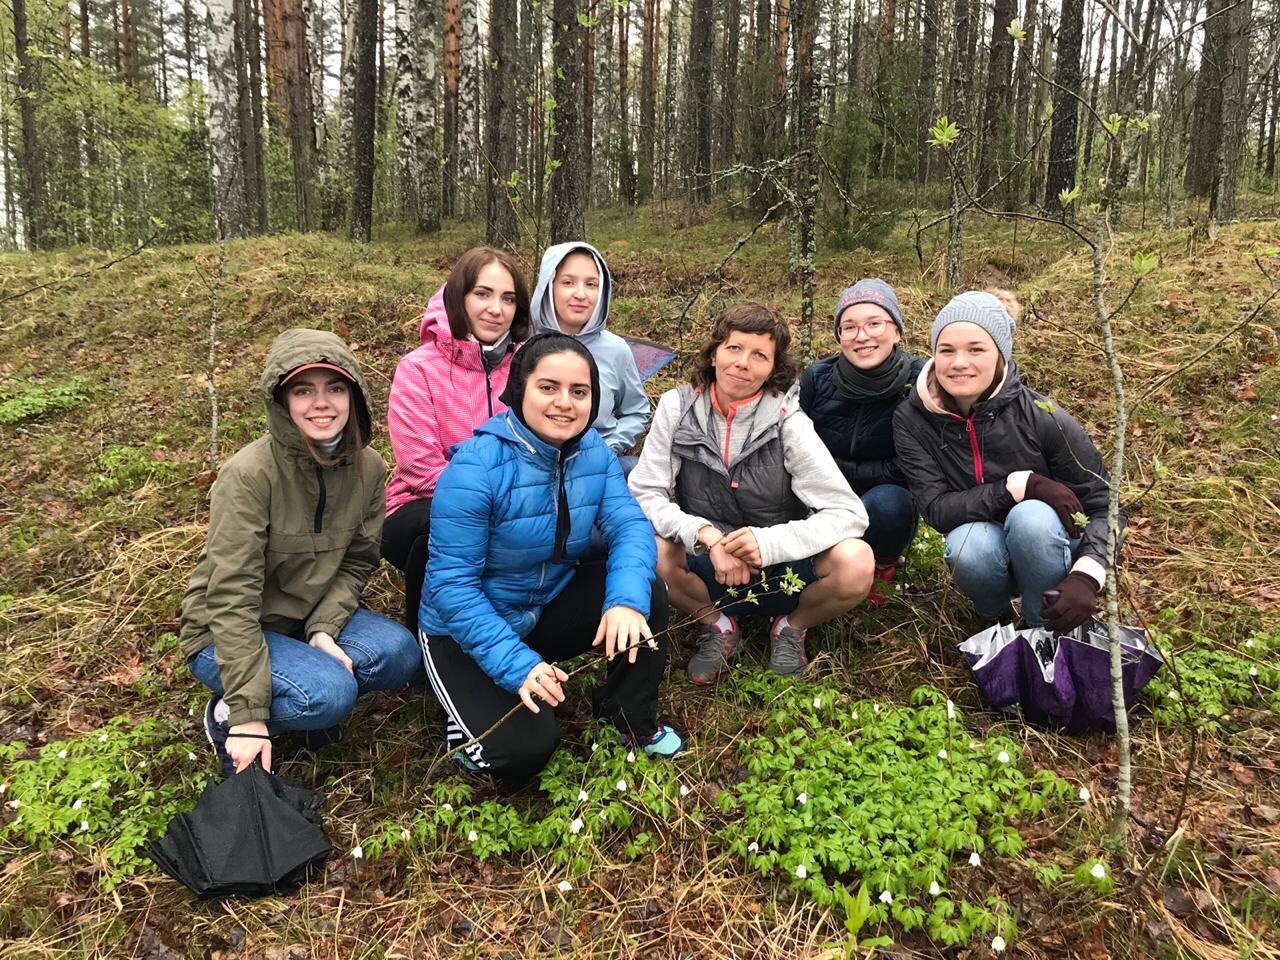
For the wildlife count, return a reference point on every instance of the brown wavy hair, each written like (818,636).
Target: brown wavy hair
(749,318)
(462,278)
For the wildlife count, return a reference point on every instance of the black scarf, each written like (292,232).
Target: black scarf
(492,354)
(878,383)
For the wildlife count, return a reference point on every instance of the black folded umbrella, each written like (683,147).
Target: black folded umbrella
(252,835)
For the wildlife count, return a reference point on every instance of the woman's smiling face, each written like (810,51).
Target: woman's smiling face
(557,398)
(964,361)
(867,335)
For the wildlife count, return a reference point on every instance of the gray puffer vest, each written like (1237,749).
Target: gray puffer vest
(755,490)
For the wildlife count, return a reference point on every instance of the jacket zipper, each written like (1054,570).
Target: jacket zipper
(488,385)
(320,502)
(973,446)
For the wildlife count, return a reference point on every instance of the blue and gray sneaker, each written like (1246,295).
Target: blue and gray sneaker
(664,742)
(215,731)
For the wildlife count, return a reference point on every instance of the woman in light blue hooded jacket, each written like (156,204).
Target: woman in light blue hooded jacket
(572,296)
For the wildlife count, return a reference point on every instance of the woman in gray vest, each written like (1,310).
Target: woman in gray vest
(737,484)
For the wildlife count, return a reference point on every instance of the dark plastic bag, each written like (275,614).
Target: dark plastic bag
(251,835)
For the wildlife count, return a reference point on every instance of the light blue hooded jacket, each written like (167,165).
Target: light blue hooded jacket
(624,407)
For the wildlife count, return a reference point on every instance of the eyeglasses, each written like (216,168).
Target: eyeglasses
(872,328)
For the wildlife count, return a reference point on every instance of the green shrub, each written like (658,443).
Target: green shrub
(26,401)
(111,790)
(1215,680)
(839,791)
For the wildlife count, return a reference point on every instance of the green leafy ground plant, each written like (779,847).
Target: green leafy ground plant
(1214,680)
(613,796)
(111,790)
(841,790)
(19,402)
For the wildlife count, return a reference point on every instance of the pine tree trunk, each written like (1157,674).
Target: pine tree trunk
(225,148)
(781,43)
(1093,93)
(567,220)
(252,115)
(604,162)
(452,81)
(996,108)
(1271,132)
(701,26)
(728,85)
(129,44)
(626,168)
(1026,92)
(804,117)
(854,64)
(289,97)
(589,100)
(424,125)
(501,228)
(470,98)
(962,28)
(648,98)
(364,106)
(1062,138)
(926,89)
(406,159)
(1038,173)
(669,119)
(1237,105)
(1206,113)
(35,212)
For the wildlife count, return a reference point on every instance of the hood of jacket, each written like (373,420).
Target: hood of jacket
(296,348)
(543,304)
(927,394)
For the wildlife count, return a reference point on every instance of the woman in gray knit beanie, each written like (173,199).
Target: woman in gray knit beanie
(1012,480)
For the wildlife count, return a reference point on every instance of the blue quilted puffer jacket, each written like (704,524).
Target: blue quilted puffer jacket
(493,528)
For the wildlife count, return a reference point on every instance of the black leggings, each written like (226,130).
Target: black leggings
(521,747)
(404,546)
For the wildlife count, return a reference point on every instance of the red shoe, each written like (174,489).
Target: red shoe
(884,573)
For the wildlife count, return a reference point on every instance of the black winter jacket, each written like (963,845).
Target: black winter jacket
(956,466)
(859,435)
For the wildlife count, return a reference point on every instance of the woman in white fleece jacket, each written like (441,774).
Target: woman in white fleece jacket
(737,485)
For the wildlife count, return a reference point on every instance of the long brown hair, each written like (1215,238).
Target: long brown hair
(749,318)
(462,278)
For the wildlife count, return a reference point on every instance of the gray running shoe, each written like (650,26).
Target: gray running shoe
(715,648)
(786,651)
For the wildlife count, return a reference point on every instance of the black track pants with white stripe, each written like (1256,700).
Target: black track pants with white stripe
(521,747)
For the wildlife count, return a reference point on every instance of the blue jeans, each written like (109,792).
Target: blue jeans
(892,520)
(311,690)
(1029,553)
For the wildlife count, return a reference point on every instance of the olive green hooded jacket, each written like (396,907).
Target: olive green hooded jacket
(291,543)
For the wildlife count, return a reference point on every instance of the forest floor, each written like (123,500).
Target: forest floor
(104,473)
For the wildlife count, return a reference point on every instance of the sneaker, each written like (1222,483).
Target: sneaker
(465,764)
(786,650)
(215,731)
(665,742)
(715,648)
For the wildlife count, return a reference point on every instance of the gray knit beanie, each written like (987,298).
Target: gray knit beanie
(981,309)
(870,291)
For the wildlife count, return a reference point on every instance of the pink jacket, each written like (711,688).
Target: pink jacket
(440,394)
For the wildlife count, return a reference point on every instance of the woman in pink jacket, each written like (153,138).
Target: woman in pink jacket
(443,390)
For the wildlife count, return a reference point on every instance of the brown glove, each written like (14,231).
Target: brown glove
(1059,496)
(1075,602)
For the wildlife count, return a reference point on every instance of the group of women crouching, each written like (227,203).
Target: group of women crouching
(527,536)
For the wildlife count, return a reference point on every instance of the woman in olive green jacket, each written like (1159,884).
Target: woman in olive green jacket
(272,621)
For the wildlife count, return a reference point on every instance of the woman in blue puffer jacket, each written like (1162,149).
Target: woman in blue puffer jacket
(505,600)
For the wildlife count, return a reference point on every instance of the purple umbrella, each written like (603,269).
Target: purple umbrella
(650,355)
(1059,680)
